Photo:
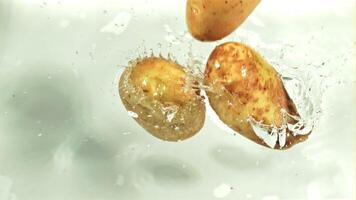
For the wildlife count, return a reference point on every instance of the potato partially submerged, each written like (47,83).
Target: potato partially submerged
(245,90)
(210,20)
(163,97)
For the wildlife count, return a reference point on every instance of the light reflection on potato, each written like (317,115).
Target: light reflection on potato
(163,98)
(243,87)
(210,20)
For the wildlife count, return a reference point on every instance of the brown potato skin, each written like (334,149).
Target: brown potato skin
(150,87)
(242,85)
(210,20)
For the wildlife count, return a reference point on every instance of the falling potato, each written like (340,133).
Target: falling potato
(246,92)
(210,20)
(163,98)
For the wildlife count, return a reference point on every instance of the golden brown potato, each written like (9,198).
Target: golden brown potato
(210,20)
(244,88)
(163,98)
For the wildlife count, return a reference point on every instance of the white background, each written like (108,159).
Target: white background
(64,133)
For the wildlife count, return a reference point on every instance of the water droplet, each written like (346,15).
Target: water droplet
(195,10)
(217,64)
(132,114)
(269,138)
(171,116)
(172,39)
(170,112)
(243,71)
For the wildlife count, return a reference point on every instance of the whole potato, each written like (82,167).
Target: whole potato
(243,89)
(210,20)
(163,98)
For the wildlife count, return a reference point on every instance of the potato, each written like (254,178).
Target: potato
(163,98)
(210,20)
(244,89)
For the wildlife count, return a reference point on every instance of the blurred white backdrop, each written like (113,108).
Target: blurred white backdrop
(64,133)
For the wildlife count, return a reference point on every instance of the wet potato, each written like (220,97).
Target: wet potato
(210,20)
(164,97)
(243,86)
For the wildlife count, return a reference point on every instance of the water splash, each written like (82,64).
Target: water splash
(304,84)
